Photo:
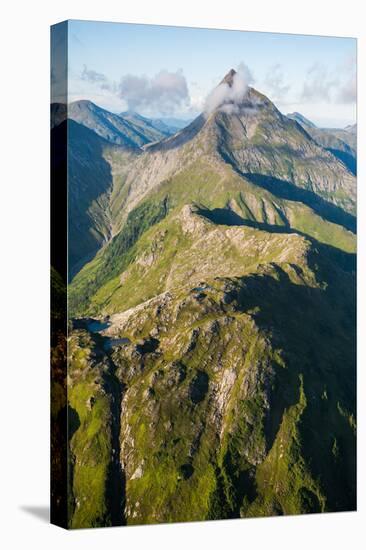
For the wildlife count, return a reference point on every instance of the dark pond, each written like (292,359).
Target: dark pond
(95,326)
(113,342)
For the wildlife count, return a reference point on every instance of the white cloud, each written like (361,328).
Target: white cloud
(227,97)
(274,82)
(165,92)
(347,92)
(336,86)
(93,76)
(98,80)
(318,85)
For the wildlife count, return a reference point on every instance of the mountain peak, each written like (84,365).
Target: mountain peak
(303,121)
(83,102)
(229,77)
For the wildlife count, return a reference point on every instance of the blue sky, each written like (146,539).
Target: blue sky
(160,70)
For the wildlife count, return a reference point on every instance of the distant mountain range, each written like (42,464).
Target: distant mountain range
(95,135)
(340,142)
(352,128)
(219,262)
(166,125)
(129,128)
(305,122)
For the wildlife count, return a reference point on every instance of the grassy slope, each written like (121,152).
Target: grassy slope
(258,352)
(89,183)
(256,424)
(169,257)
(58,357)
(208,187)
(96,497)
(90,445)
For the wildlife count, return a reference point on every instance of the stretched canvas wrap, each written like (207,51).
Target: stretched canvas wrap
(203,274)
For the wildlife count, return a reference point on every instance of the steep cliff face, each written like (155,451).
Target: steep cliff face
(212,349)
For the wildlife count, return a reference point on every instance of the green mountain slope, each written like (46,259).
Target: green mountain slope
(103,285)
(233,403)
(213,336)
(278,148)
(241,389)
(258,142)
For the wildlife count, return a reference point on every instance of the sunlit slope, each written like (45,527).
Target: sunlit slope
(155,230)
(229,280)
(238,394)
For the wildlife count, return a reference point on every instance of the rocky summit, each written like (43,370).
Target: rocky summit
(212,316)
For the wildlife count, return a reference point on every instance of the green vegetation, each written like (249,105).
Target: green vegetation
(59,443)
(240,444)
(117,255)
(99,286)
(230,283)
(90,417)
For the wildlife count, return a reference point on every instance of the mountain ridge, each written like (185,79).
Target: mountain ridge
(341,142)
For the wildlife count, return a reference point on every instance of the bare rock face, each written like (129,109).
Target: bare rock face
(190,222)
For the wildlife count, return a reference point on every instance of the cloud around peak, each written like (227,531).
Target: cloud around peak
(230,92)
